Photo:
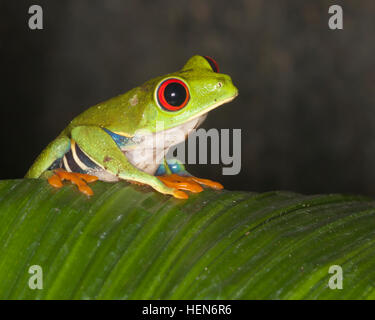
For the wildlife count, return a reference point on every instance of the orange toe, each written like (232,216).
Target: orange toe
(180,195)
(208,183)
(55,181)
(85,189)
(87,177)
(180,183)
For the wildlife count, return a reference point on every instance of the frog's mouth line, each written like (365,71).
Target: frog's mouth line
(215,105)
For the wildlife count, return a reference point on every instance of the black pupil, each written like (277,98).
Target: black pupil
(175,94)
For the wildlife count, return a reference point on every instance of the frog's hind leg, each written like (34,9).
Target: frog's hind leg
(173,174)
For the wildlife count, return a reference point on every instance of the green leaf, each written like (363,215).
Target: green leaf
(129,242)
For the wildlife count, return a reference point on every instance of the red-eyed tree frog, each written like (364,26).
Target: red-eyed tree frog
(108,141)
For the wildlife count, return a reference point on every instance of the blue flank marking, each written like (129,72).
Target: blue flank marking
(121,141)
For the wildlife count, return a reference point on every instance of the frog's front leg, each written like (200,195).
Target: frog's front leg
(173,173)
(97,144)
(55,150)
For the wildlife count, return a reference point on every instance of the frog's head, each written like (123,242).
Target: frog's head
(187,95)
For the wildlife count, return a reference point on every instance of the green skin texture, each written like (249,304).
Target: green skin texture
(137,110)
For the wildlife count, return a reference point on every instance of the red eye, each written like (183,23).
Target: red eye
(173,94)
(213,64)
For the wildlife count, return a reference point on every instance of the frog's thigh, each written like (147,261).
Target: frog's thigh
(100,147)
(55,150)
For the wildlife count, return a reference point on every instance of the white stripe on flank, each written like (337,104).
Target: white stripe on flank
(67,168)
(76,158)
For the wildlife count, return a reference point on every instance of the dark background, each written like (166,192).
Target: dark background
(306,103)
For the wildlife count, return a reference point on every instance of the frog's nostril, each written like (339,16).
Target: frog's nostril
(219,84)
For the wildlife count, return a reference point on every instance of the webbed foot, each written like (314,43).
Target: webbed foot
(79,179)
(188,183)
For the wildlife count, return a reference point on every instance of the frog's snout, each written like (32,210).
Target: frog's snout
(227,87)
